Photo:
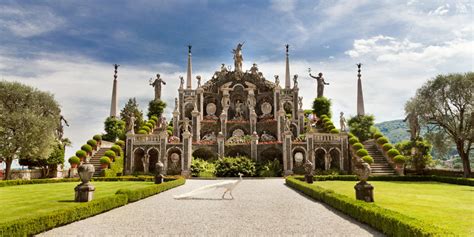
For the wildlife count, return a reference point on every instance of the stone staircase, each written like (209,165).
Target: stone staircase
(380,165)
(95,159)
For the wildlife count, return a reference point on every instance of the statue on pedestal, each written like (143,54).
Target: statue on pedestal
(321,83)
(157,85)
(181,84)
(60,130)
(198,78)
(295,81)
(238,58)
(300,102)
(238,110)
(342,122)
(131,124)
(277,81)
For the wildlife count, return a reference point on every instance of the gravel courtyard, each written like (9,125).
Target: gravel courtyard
(260,207)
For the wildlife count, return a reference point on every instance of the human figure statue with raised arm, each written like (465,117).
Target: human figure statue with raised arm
(238,58)
(157,85)
(321,83)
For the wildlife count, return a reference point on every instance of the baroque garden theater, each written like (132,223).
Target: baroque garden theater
(236,113)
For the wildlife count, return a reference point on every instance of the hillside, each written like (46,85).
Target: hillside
(395,130)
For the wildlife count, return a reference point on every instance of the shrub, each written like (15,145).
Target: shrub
(120,143)
(154,118)
(146,128)
(116,149)
(270,169)
(152,122)
(97,137)
(353,140)
(334,130)
(111,154)
(92,143)
(393,152)
(329,126)
(399,159)
(326,119)
(382,140)
(377,135)
(142,131)
(86,148)
(202,168)
(357,146)
(362,152)
(105,160)
(149,124)
(387,146)
(81,154)
(74,160)
(232,166)
(360,126)
(322,106)
(368,159)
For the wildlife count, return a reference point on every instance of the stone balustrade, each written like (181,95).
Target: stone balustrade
(140,139)
(327,137)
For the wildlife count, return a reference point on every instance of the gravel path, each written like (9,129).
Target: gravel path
(260,207)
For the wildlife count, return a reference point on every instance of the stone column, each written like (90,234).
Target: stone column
(163,157)
(276,102)
(187,154)
(223,118)
(220,144)
(287,156)
(295,103)
(176,123)
(200,98)
(181,102)
(300,121)
(281,123)
(253,146)
(128,163)
(310,148)
(196,125)
(253,121)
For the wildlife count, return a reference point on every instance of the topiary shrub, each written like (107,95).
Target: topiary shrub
(270,169)
(104,160)
(142,131)
(393,152)
(149,124)
(97,137)
(362,153)
(111,154)
(232,166)
(152,122)
(92,143)
(202,168)
(377,135)
(326,119)
(120,143)
(368,159)
(74,160)
(353,140)
(146,128)
(387,146)
(399,159)
(116,149)
(382,140)
(87,148)
(81,154)
(154,118)
(334,130)
(357,146)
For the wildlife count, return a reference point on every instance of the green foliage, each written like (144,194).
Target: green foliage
(202,168)
(270,169)
(141,131)
(105,160)
(353,140)
(387,146)
(152,123)
(74,160)
(422,156)
(114,128)
(156,107)
(360,126)
(368,159)
(137,194)
(146,129)
(322,106)
(86,148)
(393,152)
(357,146)
(116,149)
(399,159)
(334,130)
(382,140)
(154,118)
(97,137)
(377,135)
(132,108)
(232,166)
(92,143)
(389,222)
(120,143)
(111,154)
(81,154)
(362,152)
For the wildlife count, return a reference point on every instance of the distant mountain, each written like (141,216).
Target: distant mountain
(395,130)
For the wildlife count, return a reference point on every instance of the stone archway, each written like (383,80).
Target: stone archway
(320,159)
(174,161)
(205,153)
(334,159)
(298,159)
(188,108)
(138,155)
(154,155)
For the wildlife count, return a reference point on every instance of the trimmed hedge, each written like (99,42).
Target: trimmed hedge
(353,140)
(97,137)
(81,154)
(387,146)
(111,154)
(45,221)
(368,159)
(120,143)
(413,178)
(104,160)
(117,149)
(74,160)
(387,221)
(92,143)
(86,148)
(334,130)
(377,135)
(393,152)
(400,159)
(382,140)
(357,146)
(362,152)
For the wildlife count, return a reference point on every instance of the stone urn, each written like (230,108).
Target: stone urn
(159,173)
(85,190)
(364,190)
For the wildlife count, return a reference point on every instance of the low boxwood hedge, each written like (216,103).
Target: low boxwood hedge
(413,178)
(387,221)
(45,221)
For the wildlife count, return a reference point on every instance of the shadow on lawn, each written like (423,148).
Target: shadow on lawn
(66,201)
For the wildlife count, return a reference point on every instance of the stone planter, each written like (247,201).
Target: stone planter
(74,166)
(399,168)
(104,166)
(85,190)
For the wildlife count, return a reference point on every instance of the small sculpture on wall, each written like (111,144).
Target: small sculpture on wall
(238,110)
(277,81)
(181,83)
(198,78)
(295,81)
(342,122)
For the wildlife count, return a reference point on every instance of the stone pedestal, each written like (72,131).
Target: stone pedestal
(287,154)
(253,146)
(308,178)
(84,192)
(364,191)
(186,173)
(176,123)
(196,125)
(220,144)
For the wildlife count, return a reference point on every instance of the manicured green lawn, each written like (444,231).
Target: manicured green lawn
(25,200)
(446,205)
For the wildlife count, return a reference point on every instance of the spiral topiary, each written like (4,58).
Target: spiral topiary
(154,117)
(105,160)
(326,120)
(393,152)
(334,130)
(152,122)
(116,149)
(97,137)
(81,154)
(362,152)
(92,143)
(387,146)
(382,140)
(120,143)
(368,159)
(142,131)
(111,154)
(357,146)
(377,135)
(399,159)
(353,140)
(146,128)
(74,160)
(87,148)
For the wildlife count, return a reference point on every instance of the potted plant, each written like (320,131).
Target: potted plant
(98,139)
(74,161)
(111,154)
(93,144)
(116,149)
(87,148)
(81,154)
(104,162)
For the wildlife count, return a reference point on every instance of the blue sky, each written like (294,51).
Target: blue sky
(68,48)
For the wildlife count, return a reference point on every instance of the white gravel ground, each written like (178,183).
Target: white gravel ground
(261,207)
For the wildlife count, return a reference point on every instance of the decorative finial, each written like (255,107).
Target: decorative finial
(116,67)
(189,48)
(287,46)
(358,71)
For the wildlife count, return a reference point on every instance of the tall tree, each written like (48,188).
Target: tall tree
(322,106)
(132,108)
(114,128)
(447,101)
(360,126)
(28,123)
(156,107)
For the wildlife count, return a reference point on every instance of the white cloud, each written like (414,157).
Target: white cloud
(28,22)
(283,5)
(440,11)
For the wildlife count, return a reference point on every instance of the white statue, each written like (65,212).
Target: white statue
(157,85)
(295,81)
(321,83)
(342,122)
(131,124)
(238,110)
(300,102)
(181,82)
(198,78)
(277,81)
(238,58)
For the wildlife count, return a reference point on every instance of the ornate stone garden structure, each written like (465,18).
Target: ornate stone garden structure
(237,113)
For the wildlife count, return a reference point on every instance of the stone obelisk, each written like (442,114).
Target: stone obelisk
(188,77)
(360,97)
(287,71)
(113,104)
